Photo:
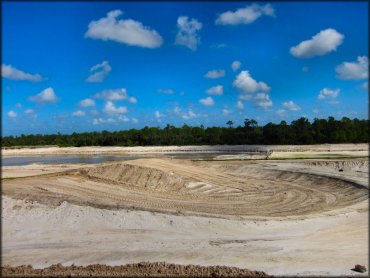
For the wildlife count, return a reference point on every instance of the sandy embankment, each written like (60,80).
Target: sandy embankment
(281,217)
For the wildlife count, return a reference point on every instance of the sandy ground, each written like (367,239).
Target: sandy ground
(305,217)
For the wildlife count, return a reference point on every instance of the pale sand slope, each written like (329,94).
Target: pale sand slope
(36,169)
(322,245)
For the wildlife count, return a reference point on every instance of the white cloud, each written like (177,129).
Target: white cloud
(305,69)
(290,105)
(187,32)
(247,85)
(262,100)
(245,15)
(78,113)
(18,105)
(213,74)
(134,120)
(354,70)
(315,111)
(12,114)
(100,71)
(158,115)
(97,121)
(113,95)
(365,86)
(132,100)
(240,105)
(46,96)
(10,72)
(320,44)
(165,91)
(87,102)
(216,90)
(125,31)
(236,65)
(208,101)
(328,93)
(110,108)
(123,118)
(333,102)
(281,112)
(189,115)
(185,115)
(30,113)
(226,111)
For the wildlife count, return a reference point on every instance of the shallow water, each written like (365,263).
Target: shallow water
(92,159)
(60,159)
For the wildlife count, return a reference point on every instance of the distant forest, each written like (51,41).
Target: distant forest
(300,131)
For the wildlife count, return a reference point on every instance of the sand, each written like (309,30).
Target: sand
(305,217)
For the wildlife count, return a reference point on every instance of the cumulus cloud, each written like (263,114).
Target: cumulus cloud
(12,114)
(46,96)
(354,70)
(110,108)
(98,121)
(113,94)
(99,72)
(30,113)
(87,102)
(189,115)
(320,44)
(328,93)
(78,113)
(239,105)
(132,100)
(226,111)
(281,112)
(187,33)
(213,74)
(125,31)
(262,100)
(245,15)
(10,72)
(123,118)
(290,105)
(208,101)
(165,91)
(185,115)
(236,65)
(158,115)
(247,85)
(216,90)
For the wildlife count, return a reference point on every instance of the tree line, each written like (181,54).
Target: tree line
(300,131)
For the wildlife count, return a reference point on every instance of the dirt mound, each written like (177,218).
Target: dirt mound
(160,269)
(183,186)
(345,165)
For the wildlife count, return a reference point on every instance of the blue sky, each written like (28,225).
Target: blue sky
(109,66)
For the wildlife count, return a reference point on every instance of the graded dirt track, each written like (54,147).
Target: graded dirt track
(222,189)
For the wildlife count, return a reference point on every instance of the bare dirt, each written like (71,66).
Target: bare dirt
(143,269)
(177,186)
(305,217)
